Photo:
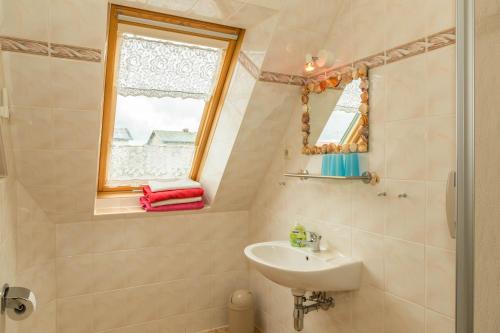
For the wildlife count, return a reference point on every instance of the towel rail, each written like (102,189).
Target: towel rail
(366,177)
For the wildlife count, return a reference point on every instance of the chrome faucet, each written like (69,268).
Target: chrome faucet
(314,241)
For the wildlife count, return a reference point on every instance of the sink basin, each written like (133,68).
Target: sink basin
(304,270)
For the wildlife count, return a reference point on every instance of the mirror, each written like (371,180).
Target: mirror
(335,114)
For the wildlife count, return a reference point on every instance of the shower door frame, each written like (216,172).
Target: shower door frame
(465,166)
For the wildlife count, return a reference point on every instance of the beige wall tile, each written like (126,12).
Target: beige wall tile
(74,314)
(440,280)
(437,323)
(368,25)
(405,217)
(26,19)
(104,319)
(75,130)
(441,80)
(441,157)
(368,208)
(405,149)
(35,121)
(70,78)
(75,275)
(370,249)
(110,270)
(20,69)
(405,93)
(405,270)
(73,239)
(368,310)
(403,27)
(437,232)
(78,23)
(403,316)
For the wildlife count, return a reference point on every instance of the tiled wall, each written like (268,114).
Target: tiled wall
(36,265)
(7,217)
(163,274)
(109,273)
(408,280)
(409,257)
(487,174)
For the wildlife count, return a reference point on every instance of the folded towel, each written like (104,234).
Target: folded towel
(174,201)
(172,194)
(157,186)
(167,208)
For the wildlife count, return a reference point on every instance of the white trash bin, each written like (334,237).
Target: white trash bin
(241,312)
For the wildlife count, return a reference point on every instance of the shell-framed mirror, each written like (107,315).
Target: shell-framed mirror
(335,114)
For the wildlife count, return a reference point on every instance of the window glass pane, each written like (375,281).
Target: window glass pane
(153,139)
(162,88)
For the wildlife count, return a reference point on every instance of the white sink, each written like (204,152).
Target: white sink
(304,270)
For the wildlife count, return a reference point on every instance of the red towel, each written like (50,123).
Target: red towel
(173,194)
(167,208)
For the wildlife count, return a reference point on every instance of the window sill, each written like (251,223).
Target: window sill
(127,205)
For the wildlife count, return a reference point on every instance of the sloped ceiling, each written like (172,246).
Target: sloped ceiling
(254,118)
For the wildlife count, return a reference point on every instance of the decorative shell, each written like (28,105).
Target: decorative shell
(345,148)
(363,70)
(353,147)
(310,86)
(324,149)
(331,147)
(355,75)
(318,88)
(305,117)
(362,147)
(306,128)
(364,84)
(323,85)
(304,99)
(364,120)
(305,107)
(346,78)
(363,108)
(333,82)
(306,150)
(305,90)
(364,97)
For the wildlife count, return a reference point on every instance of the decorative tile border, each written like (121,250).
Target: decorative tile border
(75,53)
(405,51)
(225,329)
(426,44)
(24,46)
(422,45)
(248,64)
(441,39)
(274,77)
(21,45)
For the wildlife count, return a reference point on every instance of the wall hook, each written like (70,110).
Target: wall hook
(382,194)
(402,195)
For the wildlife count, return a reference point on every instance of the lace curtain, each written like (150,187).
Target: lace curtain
(157,68)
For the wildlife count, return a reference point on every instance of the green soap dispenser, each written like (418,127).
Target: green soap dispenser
(298,236)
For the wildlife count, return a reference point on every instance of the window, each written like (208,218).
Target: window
(166,78)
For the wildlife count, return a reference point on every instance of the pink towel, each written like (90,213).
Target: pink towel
(167,208)
(172,194)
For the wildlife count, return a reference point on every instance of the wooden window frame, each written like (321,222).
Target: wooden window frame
(212,108)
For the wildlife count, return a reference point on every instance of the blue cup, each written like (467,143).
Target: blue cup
(325,165)
(352,164)
(337,167)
